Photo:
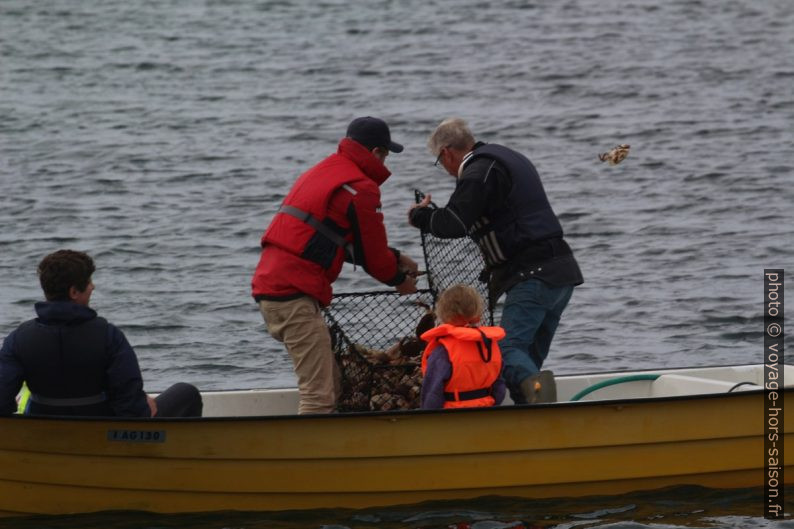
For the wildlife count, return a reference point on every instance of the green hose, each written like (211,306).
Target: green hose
(612,382)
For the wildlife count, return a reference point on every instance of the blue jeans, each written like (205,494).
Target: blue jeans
(530,316)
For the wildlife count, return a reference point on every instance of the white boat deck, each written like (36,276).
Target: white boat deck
(669,383)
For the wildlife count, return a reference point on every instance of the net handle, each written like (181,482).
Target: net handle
(418,197)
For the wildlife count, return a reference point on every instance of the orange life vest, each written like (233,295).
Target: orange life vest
(476,362)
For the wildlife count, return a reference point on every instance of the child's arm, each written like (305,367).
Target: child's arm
(498,391)
(439,369)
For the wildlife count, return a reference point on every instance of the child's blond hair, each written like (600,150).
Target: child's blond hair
(460,305)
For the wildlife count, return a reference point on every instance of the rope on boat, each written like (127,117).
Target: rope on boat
(612,382)
(740,384)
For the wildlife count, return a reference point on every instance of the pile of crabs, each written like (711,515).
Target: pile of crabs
(382,380)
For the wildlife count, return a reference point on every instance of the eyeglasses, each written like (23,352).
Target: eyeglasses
(440,154)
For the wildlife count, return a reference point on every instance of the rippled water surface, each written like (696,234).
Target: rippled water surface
(160,136)
(670,509)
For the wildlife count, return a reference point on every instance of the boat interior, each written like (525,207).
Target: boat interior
(660,383)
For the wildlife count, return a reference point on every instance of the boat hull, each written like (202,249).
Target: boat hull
(58,466)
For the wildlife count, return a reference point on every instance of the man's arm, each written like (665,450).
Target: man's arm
(125,383)
(369,233)
(480,184)
(11,376)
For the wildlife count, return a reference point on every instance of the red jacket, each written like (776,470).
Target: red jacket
(340,192)
(474,369)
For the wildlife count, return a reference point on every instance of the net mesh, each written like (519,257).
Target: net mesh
(452,261)
(375,335)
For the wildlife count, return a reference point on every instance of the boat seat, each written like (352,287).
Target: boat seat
(671,384)
(250,403)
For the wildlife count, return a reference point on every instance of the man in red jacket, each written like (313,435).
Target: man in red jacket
(331,215)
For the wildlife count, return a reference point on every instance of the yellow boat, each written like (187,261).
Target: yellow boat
(652,429)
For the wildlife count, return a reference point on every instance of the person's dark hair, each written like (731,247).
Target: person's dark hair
(62,270)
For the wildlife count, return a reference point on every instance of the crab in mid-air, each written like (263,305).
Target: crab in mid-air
(616,155)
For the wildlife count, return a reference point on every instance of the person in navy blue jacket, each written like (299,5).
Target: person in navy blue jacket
(75,362)
(500,203)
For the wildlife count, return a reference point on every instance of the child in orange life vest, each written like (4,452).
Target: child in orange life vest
(462,363)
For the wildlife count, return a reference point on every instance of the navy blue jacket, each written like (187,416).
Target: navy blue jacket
(509,217)
(114,370)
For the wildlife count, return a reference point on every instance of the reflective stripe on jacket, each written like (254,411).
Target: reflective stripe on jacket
(476,361)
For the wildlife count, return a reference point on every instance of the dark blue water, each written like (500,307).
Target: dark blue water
(669,509)
(160,136)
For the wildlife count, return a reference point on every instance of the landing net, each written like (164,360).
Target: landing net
(374,334)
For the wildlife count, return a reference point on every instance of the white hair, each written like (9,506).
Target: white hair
(452,132)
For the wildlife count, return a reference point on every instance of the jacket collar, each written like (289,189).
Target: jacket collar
(63,313)
(364,159)
(471,334)
(467,157)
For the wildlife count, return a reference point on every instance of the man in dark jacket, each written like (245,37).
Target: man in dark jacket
(499,201)
(75,362)
(330,216)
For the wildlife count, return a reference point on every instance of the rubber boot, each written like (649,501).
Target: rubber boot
(539,388)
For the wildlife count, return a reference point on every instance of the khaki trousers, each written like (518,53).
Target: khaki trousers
(299,325)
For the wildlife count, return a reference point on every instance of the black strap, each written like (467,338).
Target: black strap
(468,395)
(488,345)
(314,222)
(78,401)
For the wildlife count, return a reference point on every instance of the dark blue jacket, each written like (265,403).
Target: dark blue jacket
(521,218)
(70,352)
(500,202)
